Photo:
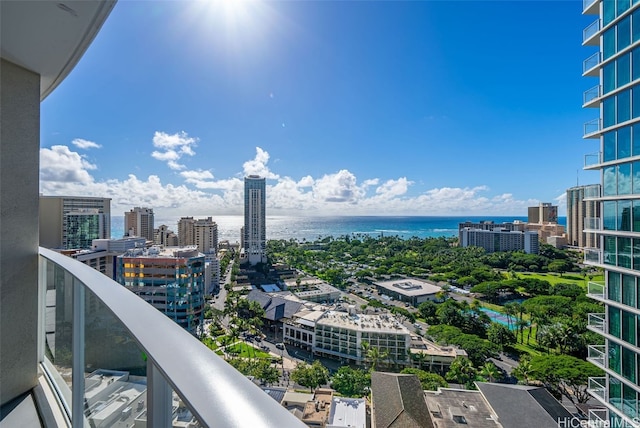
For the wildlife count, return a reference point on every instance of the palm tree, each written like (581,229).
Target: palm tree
(490,371)
(420,358)
(376,355)
(510,310)
(523,370)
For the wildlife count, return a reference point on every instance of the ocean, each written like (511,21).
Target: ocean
(313,228)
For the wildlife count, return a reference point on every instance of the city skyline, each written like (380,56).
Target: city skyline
(349,108)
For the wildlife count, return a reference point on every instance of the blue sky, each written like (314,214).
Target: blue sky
(347,107)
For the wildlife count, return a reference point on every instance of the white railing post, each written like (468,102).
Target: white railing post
(159,412)
(77,346)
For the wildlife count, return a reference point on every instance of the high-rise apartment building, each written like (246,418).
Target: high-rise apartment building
(545,212)
(583,214)
(615,99)
(139,222)
(72,222)
(255,240)
(202,233)
(165,237)
(496,240)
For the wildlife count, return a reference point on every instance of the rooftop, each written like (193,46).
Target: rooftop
(380,323)
(409,287)
(451,407)
(348,412)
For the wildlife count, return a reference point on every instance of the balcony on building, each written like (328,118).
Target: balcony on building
(591,33)
(597,355)
(590,66)
(596,322)
(598,418)
(596,290)
(597,387)
(592,224)
(592,191)
(590,7)
(592,128)
(591,97)
(593,256)
(592,160)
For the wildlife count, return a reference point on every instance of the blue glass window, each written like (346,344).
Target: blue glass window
(624,106)
(609,13)
(624,216)
(609,75)
(628,364)
(624,179)
(635,26)
(615,354)
(624,33)
(609,142)
(624,252)
(635,142)
(624,142)
(622,6)
(636,178)
(609,111)
(609,42)
(623,66)
(635,56)
(610,257)
(635,107)
(614,288)
(609,181)
(636,249)
(609,215)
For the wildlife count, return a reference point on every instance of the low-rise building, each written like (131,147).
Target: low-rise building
(413,291)
(313,290)
(342,335)
(397,401)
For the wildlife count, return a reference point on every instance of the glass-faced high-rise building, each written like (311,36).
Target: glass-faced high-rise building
(254,238)
(614,67)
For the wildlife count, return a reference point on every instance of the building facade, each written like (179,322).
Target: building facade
(72,222)
(500,240)
(582,212)
(165,237)
(254,233)
(545,212)
(614,41)
(170,279)
(139,222)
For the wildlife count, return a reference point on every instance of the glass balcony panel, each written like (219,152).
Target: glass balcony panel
(592,159)
(59,326)
(598,417)
(587,5)
(592,127)
(597,387)
(592,192)
(593,223)
(590,63)
(596,355)
(591,30)
(592,256)
(596,322)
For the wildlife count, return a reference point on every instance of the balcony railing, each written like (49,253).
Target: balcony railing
(592,127)
(596,355)
(591,63)
(592,159)
(596,322)
(598,418)
(591,94)
(597,387)
(591,30)
(593,223)
(596,289)
(114,357)
(593,191)
(587,4)
(593,256)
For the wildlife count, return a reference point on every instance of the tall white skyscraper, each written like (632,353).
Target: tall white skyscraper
(139,222)
(255,219)
(614,37)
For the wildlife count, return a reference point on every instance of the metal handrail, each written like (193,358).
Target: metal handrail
(592,126)
(215,392)
(591,94)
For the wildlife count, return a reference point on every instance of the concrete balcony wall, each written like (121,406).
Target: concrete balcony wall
(19,181)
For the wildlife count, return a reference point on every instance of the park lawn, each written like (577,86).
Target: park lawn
(555,278)
(246,351)
(211,343)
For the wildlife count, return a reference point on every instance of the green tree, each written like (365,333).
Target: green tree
(462,371)
(490,372)
(430,381)
(564,375)
(351,382)
(500,335)
(522,371)
(312,375)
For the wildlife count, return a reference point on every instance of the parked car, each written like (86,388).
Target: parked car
(280,345)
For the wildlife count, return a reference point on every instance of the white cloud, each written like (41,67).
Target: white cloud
(60,165)
(85,144)
(65,172)
(172,147)
(258,165)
